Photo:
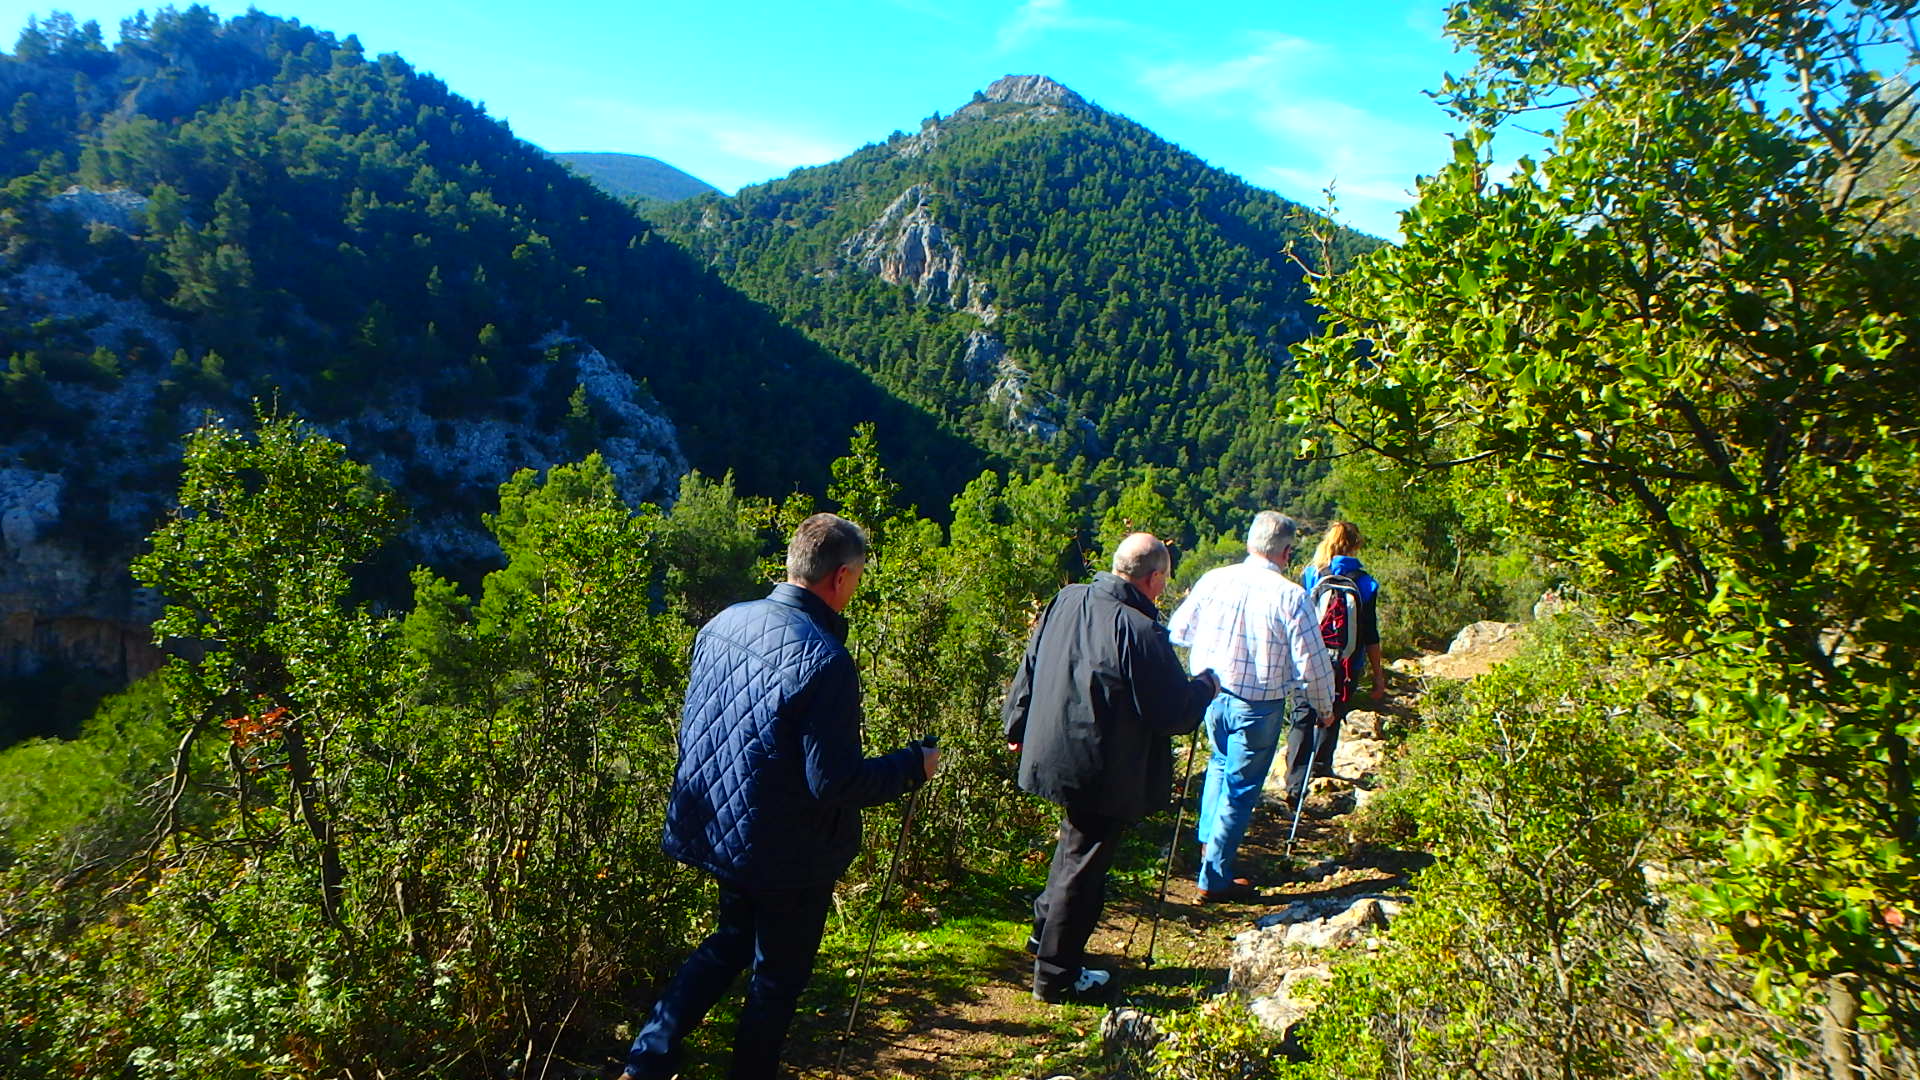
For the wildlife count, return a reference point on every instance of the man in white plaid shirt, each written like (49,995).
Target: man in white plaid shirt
(1254,627)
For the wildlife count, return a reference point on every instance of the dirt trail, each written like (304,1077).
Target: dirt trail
(982,1022)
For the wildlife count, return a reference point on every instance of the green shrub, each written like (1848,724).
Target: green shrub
(1561,931)
(1539,787)
(82,793)
(1216,1040)
(412,847)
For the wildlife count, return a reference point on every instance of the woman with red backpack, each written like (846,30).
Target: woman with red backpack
(1335,575)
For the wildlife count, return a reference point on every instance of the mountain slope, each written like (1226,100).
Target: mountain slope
(635,176)
(1053,280)
(212,212)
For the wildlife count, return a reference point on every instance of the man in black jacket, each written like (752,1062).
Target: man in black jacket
(1092,710)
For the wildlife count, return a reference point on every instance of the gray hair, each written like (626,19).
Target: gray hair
(1271,533)
(822,544)
(1139,555)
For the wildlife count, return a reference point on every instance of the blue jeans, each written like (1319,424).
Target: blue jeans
(776,932)
(1244,736)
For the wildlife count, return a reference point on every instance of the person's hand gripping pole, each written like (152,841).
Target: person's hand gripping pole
(930,760)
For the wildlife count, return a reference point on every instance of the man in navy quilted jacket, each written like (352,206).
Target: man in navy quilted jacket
(767,796)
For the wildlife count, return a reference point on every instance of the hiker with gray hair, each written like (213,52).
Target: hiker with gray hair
(1092,711)
(1252,625)
(766,797)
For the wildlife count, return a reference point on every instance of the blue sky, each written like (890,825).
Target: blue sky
(1289,96)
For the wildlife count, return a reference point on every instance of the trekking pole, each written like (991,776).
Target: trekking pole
(873,934)
(1300,802)
(1173,845)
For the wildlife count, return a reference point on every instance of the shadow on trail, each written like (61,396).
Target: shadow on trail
(1164,987)
(925,1017)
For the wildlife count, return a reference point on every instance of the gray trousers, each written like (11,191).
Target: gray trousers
(1301,739)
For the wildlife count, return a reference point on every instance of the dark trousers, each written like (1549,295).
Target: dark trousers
(777,931)
(1065,914)
(1304,734)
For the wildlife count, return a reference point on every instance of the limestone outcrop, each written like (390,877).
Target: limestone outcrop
(1475,650)
(76,502)
(474,456)
(907,245)
(118,209)
(1278,964)
(1033,410)
(1033,90)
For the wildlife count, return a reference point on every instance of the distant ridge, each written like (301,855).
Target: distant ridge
(635,176)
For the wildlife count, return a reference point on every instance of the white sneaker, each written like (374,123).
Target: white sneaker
(1090,986)
(1091,979)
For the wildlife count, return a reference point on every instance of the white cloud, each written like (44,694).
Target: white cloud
(754,140)
(1309,102)
(1371,160)
(1179,82)
(1036,18)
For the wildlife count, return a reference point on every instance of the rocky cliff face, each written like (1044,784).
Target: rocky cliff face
(472,457)
(1029,409)
(906,245)
(76,506)
(1042,98)
(63,606)
(1033,90)
(69,524)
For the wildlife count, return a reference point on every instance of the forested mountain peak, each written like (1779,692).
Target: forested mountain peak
(1055,281)
(635,176)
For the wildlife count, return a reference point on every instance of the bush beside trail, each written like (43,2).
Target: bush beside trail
(331,840)
(1559,929)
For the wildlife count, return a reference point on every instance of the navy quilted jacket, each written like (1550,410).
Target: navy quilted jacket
(771,776)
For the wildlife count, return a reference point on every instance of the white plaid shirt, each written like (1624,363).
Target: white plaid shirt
(1255,629)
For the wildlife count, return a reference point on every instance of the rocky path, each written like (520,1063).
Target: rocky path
(950,999)
(981,1022)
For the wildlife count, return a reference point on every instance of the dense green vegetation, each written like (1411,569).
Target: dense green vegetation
(336,838)
(1140,291)
(1680,350)
(348,233)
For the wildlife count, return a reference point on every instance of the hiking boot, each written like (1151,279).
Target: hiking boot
(1092,985)
(1237,891)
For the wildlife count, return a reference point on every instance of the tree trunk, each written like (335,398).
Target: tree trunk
(1839,1027)
(306,798)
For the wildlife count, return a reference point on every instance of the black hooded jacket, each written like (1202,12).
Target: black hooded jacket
(1097,697)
